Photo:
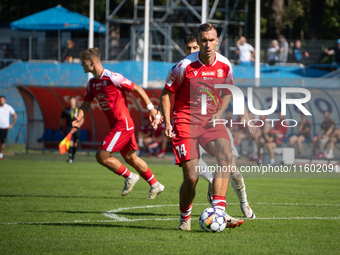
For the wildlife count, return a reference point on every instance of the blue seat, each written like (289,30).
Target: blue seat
(47,135)
(84,135)
(57,136)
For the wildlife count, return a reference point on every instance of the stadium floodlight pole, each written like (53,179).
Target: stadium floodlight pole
(257,42)
(204,11)
(91,28)
(146,43)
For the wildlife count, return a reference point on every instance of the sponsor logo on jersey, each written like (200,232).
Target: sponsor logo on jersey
(219,73)
(212,73)
(101,96)
(106,109)
(103,104)
(195,72)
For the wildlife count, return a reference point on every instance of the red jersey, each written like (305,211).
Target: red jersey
(110,90)
(190,79)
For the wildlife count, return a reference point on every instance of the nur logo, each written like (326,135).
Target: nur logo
(204,99)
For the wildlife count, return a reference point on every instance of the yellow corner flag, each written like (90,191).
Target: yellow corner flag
(64,145)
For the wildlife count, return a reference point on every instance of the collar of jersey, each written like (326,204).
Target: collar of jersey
(202,63)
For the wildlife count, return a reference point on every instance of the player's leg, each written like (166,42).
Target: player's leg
(334,138)
(75,140)
(187,193)
(144,171)
(316,141)
(299,142)
(271,146)
(222,150)
(164,143)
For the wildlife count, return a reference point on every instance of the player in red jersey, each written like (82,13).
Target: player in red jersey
(199,72)
(109,89)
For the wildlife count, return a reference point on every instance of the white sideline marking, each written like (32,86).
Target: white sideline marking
(115,218)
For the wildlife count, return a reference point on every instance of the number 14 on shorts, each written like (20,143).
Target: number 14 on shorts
(181,150)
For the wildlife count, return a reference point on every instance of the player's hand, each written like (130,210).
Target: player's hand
(168,132)
(216,116)
(154,124)
(76,123)
(10,126)
(152,114)
(251,127)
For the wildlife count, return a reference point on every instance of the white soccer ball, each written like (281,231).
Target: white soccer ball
(212,220)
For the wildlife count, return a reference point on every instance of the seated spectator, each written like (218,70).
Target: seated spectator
(270,141)
(144,136)
(299,53)
(280,130)
(273,52)
(304,134)
(335,51)
(158,139)
(333,139)
(326,129)
(245,50)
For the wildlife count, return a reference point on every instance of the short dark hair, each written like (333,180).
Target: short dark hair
(190,38)
(72,97)
(206,27)
(2,96)
(91,52)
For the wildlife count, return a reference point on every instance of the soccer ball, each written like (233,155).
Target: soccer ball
(212,220)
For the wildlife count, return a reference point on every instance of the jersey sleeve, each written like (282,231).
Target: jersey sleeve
(88,94)
(121,82)
(228,80)
(11,110)
(176,77)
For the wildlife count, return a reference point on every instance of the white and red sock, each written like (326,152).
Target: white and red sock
(123,171)
(149,177)
(219,202)
(185,212)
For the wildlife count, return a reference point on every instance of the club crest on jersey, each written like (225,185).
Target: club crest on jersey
(220,73)
(104,83)
(212,73)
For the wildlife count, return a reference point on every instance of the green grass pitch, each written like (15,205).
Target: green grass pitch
(50,206)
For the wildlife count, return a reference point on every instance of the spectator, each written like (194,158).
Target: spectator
(284,48)
(335,51)
(326,129)
(280,130)
(245,50)
(273,52)
(270,141)
(144,136)
(299,53)
(9,49)
(304,134)
(333,139)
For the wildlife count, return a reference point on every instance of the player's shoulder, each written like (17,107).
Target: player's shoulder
(9,107)
(223,59)
(185,62)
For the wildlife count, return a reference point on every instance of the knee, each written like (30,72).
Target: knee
(100,159)
(190,182)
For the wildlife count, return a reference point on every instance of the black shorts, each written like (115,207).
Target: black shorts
(3,135)
(75,136)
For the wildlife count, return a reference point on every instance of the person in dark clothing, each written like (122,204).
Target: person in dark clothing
(69,114)
(335,51)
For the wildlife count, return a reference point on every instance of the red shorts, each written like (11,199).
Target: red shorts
(185,144)
(122,141)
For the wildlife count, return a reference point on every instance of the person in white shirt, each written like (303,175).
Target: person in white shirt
(5,112)
(246,51)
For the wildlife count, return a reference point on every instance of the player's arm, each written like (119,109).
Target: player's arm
(15,117)
(141,93)
(330,130)
(84,108)
(165,109)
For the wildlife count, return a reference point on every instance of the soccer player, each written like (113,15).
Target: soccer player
(5,112)
(237,182)
(191,128)
(69,113)
(109,88)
